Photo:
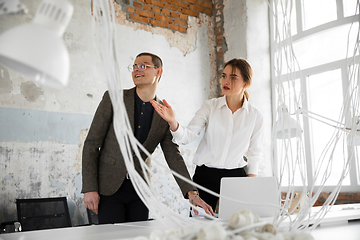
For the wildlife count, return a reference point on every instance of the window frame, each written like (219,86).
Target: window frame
(302,76)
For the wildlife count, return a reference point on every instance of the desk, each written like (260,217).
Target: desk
(127,231)
(345,231)
(334,226)
(94,232)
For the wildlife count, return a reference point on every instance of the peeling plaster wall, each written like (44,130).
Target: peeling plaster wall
(43,129)
(246,29)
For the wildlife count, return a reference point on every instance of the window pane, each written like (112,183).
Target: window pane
(350,7)
(326,99)
(318,12)
(325,47)
(292,170)
(354,75)
(290,151)
(357,162)
(285,25)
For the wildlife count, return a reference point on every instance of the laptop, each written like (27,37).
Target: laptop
(260,191)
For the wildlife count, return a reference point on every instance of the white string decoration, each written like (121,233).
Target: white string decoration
(290,158)
(244,224)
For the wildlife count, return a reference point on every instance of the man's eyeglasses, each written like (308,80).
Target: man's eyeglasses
(140,66)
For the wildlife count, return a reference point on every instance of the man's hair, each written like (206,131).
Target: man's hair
(154,58)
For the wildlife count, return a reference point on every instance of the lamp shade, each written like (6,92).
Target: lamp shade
(286,127)
(36,50)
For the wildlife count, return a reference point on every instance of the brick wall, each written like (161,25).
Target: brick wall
(343,198)
(171,14)
(221,45)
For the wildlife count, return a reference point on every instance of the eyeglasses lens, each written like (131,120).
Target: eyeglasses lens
(140,66)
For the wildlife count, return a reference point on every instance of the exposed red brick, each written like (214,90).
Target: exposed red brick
(159,23)
(130,9)
(165,12)
(196,8)
(205,4)
(190,12)
(219,55)
(137,5)
(219,42)
(352,197)
(180,22)
(149,1)
(180,3)
(219,36)
(167,1)
(139,18)
(208,11)
(218,30)
(343,196)
(140,0)
(172,8)
(178,28)
(147,7)
(175,14)
(156,10)
(190,1)
(163,18)
(157,3)
(183,16)
(144,13)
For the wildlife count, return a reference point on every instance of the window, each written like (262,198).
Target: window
(318,12)
(313,45)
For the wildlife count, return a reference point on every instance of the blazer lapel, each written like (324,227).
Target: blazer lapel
(129,100)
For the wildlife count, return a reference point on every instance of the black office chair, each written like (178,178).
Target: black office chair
(43,213)
(7,227)
(93,217)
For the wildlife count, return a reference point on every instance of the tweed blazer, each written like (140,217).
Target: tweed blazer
(103,167)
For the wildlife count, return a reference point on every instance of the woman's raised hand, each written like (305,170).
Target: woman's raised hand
(167,113)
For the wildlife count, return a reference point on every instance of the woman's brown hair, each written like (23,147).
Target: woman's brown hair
(245,70)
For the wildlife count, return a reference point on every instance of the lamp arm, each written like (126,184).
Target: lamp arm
(308,114)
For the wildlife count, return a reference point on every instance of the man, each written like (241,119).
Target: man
(107,188)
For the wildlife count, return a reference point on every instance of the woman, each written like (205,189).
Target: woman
(233,129)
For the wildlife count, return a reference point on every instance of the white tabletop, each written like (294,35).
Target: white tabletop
(338,231)
(94,232)
(346,231)
(333,227)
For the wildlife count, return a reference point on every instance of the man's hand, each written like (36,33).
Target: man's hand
(91,201)
(195,200)
(167,113)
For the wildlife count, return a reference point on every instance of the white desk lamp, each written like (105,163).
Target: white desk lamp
(12,6)
(36,50)
(287,127)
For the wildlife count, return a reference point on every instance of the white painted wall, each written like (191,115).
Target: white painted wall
(37,159)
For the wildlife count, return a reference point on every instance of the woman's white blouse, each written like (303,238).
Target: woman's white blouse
(228,136)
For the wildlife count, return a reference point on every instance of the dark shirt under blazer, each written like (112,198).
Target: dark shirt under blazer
(103,167)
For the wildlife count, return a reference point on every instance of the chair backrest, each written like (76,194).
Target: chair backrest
(43,213)
(93,217)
